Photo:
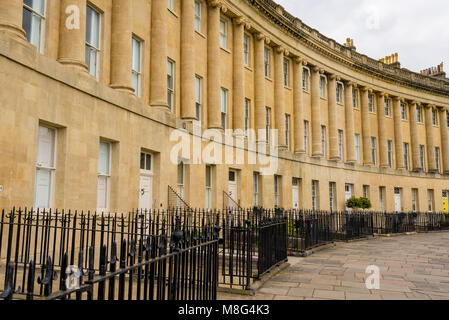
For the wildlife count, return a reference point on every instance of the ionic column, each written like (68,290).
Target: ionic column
(398,133)
(366,128)
(316,113)
(430,139)
(444,140)
(188,110)
(158,56)
(332,113)
(72,41)
(259,84)
(349,119)
(279,97)
(239,76)
(382,128)
(298,109)
(414,140)
(213,63)
(11,17)
(121,46)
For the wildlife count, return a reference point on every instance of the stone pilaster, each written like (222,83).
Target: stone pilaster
(158,56)
(398,142)
(444,140)
(259,84)
(188,110)
(349,119)
(332,114)
(239,76)
(431,163)
(298,105)
(11,17)
(316,113)
(279,96)
(414,139)
(213,63)
(382,133)
(366,127)
(72,42)
(121,46)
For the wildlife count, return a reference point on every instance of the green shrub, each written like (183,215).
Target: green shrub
(353,203)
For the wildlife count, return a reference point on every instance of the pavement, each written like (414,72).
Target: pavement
(412,267)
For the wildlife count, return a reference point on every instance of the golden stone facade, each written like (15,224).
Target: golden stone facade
(355,125)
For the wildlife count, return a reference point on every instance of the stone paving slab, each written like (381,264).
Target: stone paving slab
(412,267)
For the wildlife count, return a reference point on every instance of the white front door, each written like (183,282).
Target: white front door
(145,193)
(233,188)
(397,200)
(43,187)
(295,194)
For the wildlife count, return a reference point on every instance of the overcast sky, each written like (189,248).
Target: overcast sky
(417,30)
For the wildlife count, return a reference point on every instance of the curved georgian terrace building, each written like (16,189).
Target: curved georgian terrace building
(90,92)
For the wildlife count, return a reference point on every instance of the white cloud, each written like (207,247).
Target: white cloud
(417,30)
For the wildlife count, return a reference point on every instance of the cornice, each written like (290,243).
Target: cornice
(327,47)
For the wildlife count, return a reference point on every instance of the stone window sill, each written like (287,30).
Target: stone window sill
(200,34)
(225,50)
(172,12)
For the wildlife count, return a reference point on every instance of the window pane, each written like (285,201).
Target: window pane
(136,55)
(148,162)
(92,27)
(36,5)
(103,159)
(43,185)
(142,161)
(180,174)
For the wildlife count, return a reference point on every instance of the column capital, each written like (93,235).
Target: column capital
(315,69)
(350,83)
(430,106)
(248,25)
(239,20)
(397,99)
(414,103)
(214,3)
(365,88)
(267,40)
(332,76)
(280,49)
(381,94)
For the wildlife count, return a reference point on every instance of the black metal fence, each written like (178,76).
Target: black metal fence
(272,243)
(143,255)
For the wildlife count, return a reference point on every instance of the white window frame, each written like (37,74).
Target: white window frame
(256,189)
(406,156)
(91,48)
(286,67)
(315,192)
(323,141)
(414,200)
(355,98)
(323,86)
(390,153)
(340,144)
(437,159)
(50,168)
(171,80)
(198,16)
(208,193)
(276,191)
(287,130)
(434,117)
(387,107)
(306,136)
(199,98)
(247,116)
(223,34)
(366,191)
(422,156)
(357,147)
(137,72)
(267,123)
(267,66)
(447,119)
(224,107)
(41,16)
(374,150)
(430,195)
(144,170)
(404,111)
(382,191)
(340,88)
(305,79)
(332,189)
(246,49)
(419,117)
(106,176)
(370,103)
